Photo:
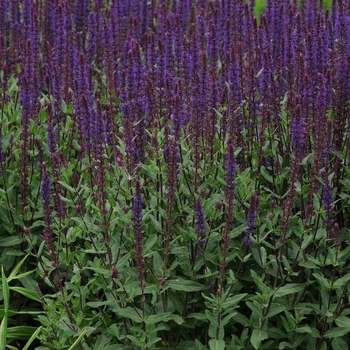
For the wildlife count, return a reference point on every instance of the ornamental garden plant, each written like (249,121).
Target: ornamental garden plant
(174,174)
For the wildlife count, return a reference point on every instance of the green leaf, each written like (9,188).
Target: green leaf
(199,345)
(266,175)
(11,347)
(150,243)
(275,310)
(308,264)
(321,233)
(262,287)
(5,291)
(26,292)
(158,318)
(342,321)
(276,333)
(67,187)
(341,281)
(336,332)
(13,85)
(211,317)
(306,241)
(234,300)
(176,300)
(226,319)
(290,288)
(97,304)
(151,341)
(322,281)
(263,256)
(129,312)
(185,285)
(237,231)
(255,309)
(313,260)
(99,271)
(13,313)
(6,296)
(309,330)
(217,344)
(16,269)
(197,316)
(257,337)
(209,204)
(76,343)
(32,338)
(14,252)
(339,344)
(177,319)
(285,345)
(10,241)
(20,332)
(316,202)
(259,73)
(155,223)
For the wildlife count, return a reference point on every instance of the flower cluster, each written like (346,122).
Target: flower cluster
(251,219)
(189,114)
(200,226)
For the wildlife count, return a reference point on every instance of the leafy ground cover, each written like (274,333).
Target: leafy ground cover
(174,174)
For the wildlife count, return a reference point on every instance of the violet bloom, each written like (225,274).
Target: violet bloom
(334,234)
(298,131)
(200,225)
(251,219)
(327,152)
(230,169)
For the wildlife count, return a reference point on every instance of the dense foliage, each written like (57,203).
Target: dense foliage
(174,174)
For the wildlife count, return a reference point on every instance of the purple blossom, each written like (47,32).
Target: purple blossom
(327,152)
(92,37)
(251,219)
(176,117)
(81,14)
(230,169)
(327,200)
(15,12)
(334,234)
(298,131)
(200,226)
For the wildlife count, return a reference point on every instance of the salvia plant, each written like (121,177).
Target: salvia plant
(175,174)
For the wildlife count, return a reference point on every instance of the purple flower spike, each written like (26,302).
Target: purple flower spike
(45,191)
(200,225)
(327,200)
(298,131)
(230,169)
(251,219)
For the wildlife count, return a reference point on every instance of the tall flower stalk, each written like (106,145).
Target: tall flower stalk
(251,219)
